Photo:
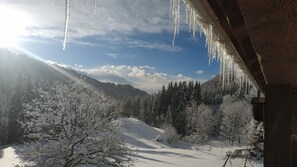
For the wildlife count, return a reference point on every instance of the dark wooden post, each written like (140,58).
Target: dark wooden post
(294,141)
(278,122)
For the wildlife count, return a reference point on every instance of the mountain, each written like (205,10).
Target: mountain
(13,66)
(117,91)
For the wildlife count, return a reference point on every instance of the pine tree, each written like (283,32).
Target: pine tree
(196,94)
(155,110)
(127,108)
(168,118)
(23,91)
(135,107)
(5,106)
(190,90)
(256,137)
(163,103)
(179,116)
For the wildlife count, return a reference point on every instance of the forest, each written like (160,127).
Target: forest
(197,112)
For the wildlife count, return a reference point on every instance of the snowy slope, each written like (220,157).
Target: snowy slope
(150,153)
(140,135)
(8,157)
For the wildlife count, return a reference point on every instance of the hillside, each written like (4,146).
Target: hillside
(13,66)
(20,76)
(117,91)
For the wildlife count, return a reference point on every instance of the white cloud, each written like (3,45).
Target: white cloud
(113,55)
(121,55)
(118,41)
(143,77)
(199,72)
(153,45)
(111,16)
(181,77)
(85,43)
(62,65)
(78,65)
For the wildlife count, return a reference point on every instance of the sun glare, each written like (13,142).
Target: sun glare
(13,24)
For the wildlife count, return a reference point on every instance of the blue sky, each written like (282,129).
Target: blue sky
(124,41)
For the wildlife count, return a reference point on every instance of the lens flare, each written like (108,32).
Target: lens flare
(13,25)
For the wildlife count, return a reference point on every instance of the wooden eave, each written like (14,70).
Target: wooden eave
(263,37)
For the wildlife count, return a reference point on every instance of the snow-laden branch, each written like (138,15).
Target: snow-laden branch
(70,125)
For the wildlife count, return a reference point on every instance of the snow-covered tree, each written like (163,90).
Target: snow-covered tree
(4,115)
(23,91)
(171,134)
(256,133)
(256,137)
(235,122)
(227,100)
(69,125)
(145,110)
(200,122)
(127,107)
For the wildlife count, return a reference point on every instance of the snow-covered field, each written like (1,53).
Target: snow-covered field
(8,157)
(150,153)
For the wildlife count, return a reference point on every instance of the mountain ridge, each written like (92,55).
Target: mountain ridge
(13,65)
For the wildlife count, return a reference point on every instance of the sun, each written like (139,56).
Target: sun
(13,25)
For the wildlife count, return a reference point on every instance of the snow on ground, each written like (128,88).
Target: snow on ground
(150,153)
(8,157)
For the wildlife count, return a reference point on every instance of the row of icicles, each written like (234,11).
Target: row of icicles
(229,71)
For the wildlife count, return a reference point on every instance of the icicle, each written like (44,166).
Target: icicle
(173,39)
(187,15)
(67,13)
(95,6)
(178,15)
(194,24)
(175,14)
(171,9)
(229,70)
